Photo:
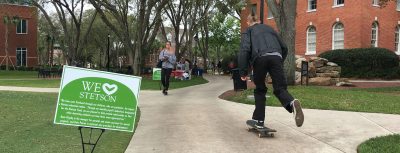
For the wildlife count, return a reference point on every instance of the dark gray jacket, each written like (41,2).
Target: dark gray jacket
(256,41)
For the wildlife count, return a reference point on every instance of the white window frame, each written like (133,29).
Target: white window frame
(333,36)
(335,4)
(376,28)
(21,49)
(375,3)
(309,6)
(20,24)
(397,42)
(308,52)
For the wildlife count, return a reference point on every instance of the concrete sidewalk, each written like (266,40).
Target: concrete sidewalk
(29,89)
(194,120)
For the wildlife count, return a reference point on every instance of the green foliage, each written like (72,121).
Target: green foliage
(224,36)
(365,62)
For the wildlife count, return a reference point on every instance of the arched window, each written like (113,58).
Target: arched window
(374,34)
(311,40)
(397,40)
(338,36)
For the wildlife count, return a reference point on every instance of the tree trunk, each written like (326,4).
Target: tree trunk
(284,13)
(6,46)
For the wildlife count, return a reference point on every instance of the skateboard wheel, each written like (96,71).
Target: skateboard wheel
(259,135)
(272,135)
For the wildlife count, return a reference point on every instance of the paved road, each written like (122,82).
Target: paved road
(194,120)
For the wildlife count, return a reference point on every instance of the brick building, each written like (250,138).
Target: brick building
(323,25)
(22,40)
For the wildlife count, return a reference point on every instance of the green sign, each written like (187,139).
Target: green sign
(97,99)
(156,74)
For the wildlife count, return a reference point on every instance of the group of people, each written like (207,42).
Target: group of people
(262,49)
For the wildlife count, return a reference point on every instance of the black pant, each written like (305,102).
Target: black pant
(274,66)
(165,75)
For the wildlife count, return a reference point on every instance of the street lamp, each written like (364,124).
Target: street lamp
(262,11)
(108,53)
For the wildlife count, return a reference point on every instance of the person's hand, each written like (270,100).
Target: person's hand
(244,78)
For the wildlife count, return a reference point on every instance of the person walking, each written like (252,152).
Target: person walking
(168,58)
(262,48)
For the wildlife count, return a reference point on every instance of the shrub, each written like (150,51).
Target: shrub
(365,62)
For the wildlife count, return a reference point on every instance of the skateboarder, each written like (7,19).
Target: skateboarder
(262,48)
(168,58)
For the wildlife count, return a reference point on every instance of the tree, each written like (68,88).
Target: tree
(224,35)
(284,12)
(70,16)
(203,43)
(230,7)
(8,20)
(72,27)
(177,12)
(146,29)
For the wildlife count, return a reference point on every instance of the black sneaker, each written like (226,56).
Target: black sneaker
(298,113)
(260,125)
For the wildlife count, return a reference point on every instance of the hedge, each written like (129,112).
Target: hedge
(365,62)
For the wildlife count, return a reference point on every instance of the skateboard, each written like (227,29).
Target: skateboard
(265,132)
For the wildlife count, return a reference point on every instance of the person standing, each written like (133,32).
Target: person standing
(262,48)
(168,58)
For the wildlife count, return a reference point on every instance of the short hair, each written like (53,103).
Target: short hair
(169,42)
(252,18)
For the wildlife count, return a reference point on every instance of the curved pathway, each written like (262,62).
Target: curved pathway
(194,120)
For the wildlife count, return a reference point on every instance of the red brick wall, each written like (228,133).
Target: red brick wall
(387,19)
(28,40)
(357,17)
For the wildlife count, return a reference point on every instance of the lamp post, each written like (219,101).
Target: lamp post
(262,11)
(108,52)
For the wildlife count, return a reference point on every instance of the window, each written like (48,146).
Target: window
(338,36)
(375,2)
(22,27)
(253,9)
(397,40)
(21,56)
(312,5)
(270,15)
(311,41)
(338,2)
(398,5)
(374,34)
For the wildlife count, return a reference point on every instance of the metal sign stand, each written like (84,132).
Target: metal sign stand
(93,145)
(304,72)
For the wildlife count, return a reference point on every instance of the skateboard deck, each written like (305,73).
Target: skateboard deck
(265,132)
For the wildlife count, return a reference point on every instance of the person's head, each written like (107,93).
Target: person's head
(252,19)
(168,45)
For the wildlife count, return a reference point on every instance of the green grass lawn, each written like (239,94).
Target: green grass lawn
(29,79)
(359,100)
(27,126)
(18,74)
(385,144)
(40,83)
